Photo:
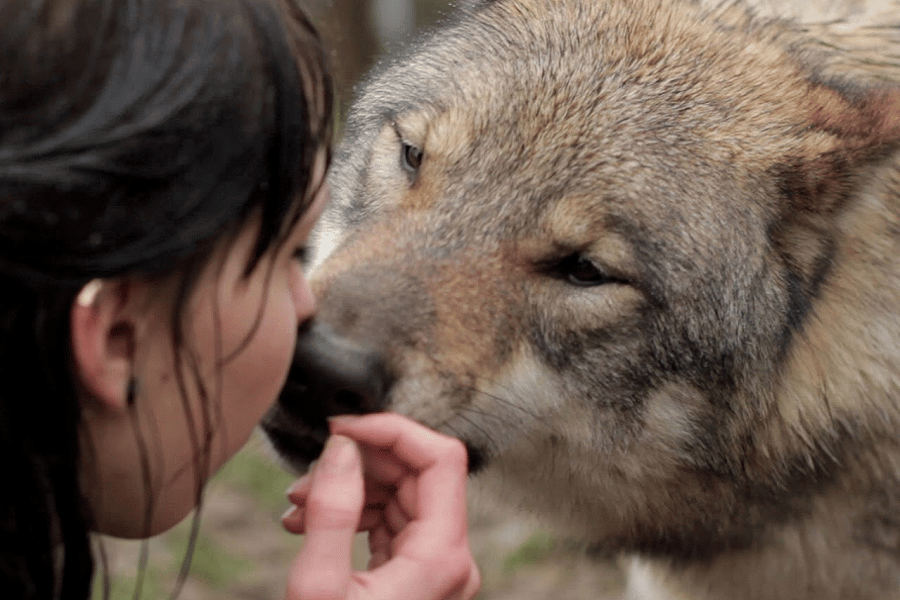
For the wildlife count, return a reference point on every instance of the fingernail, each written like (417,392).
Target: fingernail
(292,520)
(338,456)
(338,419)
(290,512)
(298,486)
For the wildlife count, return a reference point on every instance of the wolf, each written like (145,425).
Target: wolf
(643,258)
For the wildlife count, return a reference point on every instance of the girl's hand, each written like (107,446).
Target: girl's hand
(413,504)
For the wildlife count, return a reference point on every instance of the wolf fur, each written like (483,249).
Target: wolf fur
(643,257)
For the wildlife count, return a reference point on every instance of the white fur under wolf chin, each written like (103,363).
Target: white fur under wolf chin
(665,316)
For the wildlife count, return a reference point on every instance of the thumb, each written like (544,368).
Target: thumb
(323,568)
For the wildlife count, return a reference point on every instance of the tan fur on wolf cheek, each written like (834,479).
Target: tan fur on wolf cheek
(474,298)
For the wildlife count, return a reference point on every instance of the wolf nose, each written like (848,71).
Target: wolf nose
(333,375)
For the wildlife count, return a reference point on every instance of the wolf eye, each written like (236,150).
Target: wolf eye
(580,271)
(410,158)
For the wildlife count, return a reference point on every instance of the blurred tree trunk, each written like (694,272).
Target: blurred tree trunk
(429,11)
(393,20)
(352,46)
(353,40)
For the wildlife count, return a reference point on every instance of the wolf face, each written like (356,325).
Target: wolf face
(641,257)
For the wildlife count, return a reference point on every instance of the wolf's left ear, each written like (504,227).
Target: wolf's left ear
(843,131)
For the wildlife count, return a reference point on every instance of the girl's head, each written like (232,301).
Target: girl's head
(157,160)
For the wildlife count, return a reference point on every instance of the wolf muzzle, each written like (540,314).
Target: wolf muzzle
(330,375)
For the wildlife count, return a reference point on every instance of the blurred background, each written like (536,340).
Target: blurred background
(241,552)
(358,32)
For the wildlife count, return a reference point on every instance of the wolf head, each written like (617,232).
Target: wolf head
(638,255)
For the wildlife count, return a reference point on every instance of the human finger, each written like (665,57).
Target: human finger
(376,493)
(299,490)
(381,465)
(379,546)
(416,445)
(425,522)
(294,519)
(439,488)
(395,517)
(376,498)
(454,576)
(331,513)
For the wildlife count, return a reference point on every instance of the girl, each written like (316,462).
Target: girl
(161,165)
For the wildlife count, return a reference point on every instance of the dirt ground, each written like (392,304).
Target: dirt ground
(243,554)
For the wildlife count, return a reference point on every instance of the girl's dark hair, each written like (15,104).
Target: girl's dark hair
(134,134)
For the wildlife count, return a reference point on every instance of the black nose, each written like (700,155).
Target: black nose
(332,375)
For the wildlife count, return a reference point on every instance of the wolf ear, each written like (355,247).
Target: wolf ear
(841,133)
(844,130)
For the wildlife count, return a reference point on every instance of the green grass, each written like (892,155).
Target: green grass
(122,587)
(533,550)
(256,475)
(210,562)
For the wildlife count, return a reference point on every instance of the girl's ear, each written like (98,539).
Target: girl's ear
(103,340)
